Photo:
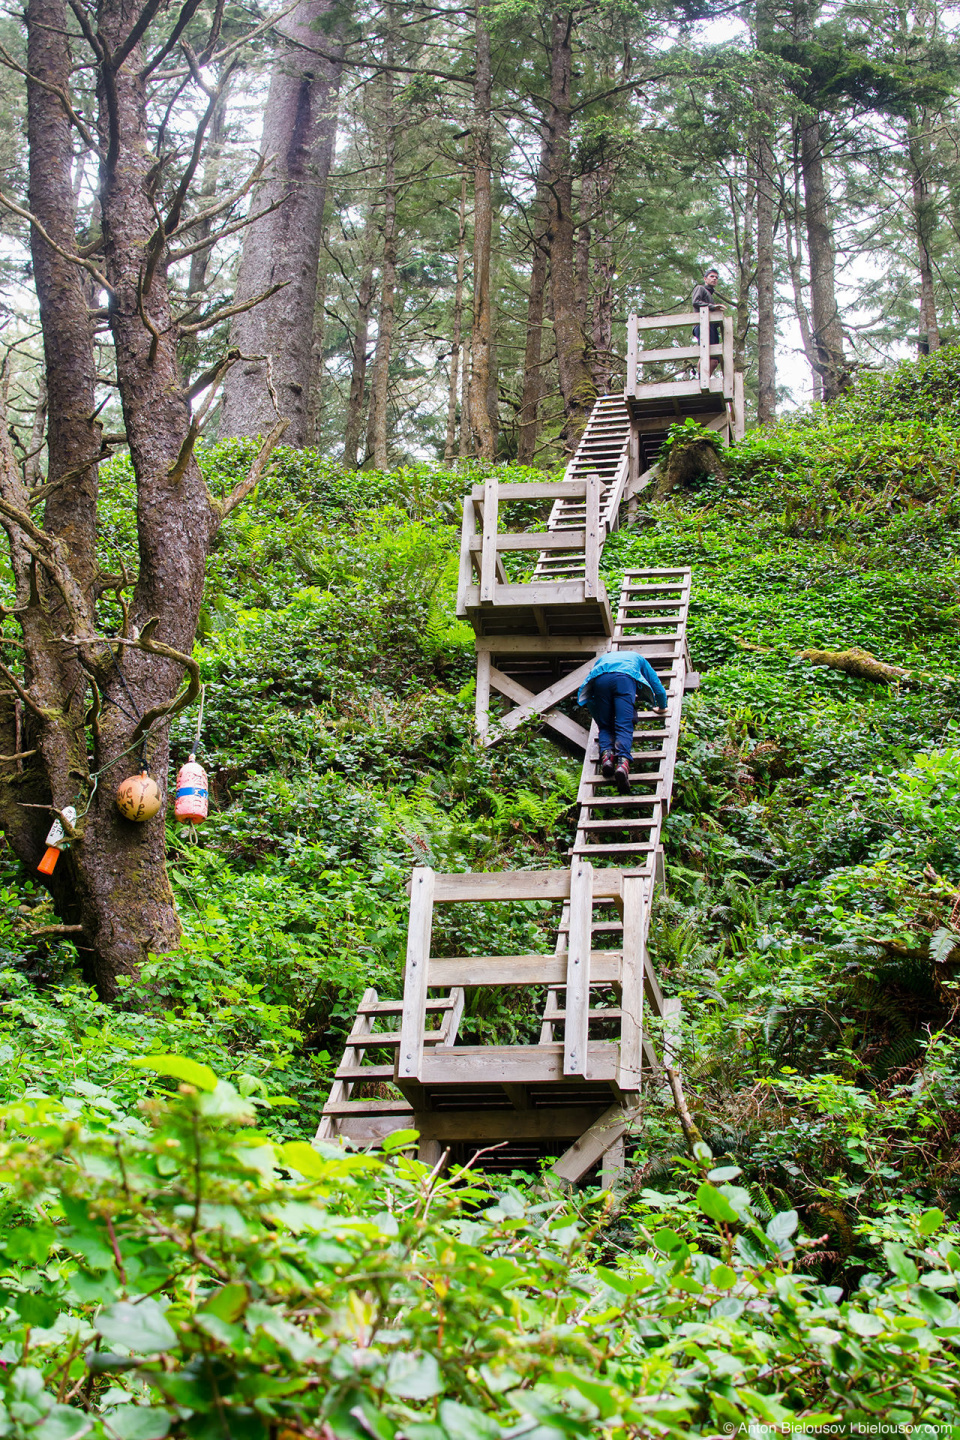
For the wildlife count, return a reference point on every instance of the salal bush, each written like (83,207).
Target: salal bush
(180,1273)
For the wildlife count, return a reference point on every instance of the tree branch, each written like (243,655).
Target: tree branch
(226,311)
(240,493)
(64,254)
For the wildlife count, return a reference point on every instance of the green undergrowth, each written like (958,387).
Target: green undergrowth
(810,925)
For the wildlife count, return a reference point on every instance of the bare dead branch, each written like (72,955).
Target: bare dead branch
(177,469)
(187,13)
(213,211)
(74,259)
(86,133)
(210,240)
(240,493)
(225,311)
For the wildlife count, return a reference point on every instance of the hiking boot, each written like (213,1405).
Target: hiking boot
(607,764)
(622,776)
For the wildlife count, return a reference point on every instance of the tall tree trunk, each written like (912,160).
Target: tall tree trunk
(581,268)
(603,269)
(361,336)
(924,220)
(529,424)
(825,318)
(576,381)
(283,247)
(380,380)
(451,437)
(483,433)
(315,400)
(766,316)
(74,436)
(799,303)
(465,426)
(744,240)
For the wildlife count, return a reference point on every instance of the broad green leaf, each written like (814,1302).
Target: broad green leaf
(931,1220)
(137,1422)
(723,1277)
(178,1067)
(142,1328)
(30,1243)
(900,1262)
(621,1283)
(667,1240)
(62,1422)
(298,1155)
(936,1307)
(725,1172)
(414,1377)
(463,1422)
(714,1205)
(227,1303)
(782,1226)
(33,1309)
(399,1140)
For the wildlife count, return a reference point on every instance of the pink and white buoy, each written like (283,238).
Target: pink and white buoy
(190,801)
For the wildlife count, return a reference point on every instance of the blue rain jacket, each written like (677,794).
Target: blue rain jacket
(628,664)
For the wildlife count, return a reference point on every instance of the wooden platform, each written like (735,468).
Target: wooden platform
(535,598)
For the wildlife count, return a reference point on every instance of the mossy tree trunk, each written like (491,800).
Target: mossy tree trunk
(82,708)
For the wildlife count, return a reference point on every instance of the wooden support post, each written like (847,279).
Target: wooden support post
(704,376)
(483,693)
(632,981)
(613,1165)
(419,931)
(489,557)
(631,354)
(577,1005)
(428,1151)
(591,549)
(729,380)
(593,1144)
(465,576)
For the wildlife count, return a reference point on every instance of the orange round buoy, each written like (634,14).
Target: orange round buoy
(139,797)
(190,801)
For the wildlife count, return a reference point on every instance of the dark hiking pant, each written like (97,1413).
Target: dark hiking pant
(614,703)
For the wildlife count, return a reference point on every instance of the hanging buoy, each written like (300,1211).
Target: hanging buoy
(139,797)
(190,801)
(55,842)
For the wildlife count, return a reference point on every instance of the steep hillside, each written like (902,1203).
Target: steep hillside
(813,859)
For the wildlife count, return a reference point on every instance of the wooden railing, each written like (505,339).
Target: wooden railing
(577,971)
(701,352)
(482,577)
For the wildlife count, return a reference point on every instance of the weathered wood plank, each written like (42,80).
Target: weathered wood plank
(419,931)
(488,559)
(576,1027)
(467,534)
(531,645)
(704,365)
(506,685)
(591,551)
(562,1123)
(482,698)
(535,540)
(546,699)
(468,970)
(514,1064)
(631,984)
(593,1144)
(519,885)
(533,490)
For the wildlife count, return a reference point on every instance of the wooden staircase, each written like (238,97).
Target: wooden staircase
(538,606)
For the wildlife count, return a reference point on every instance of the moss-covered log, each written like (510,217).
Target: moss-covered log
(862,665)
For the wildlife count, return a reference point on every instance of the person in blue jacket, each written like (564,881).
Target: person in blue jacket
(611,693)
